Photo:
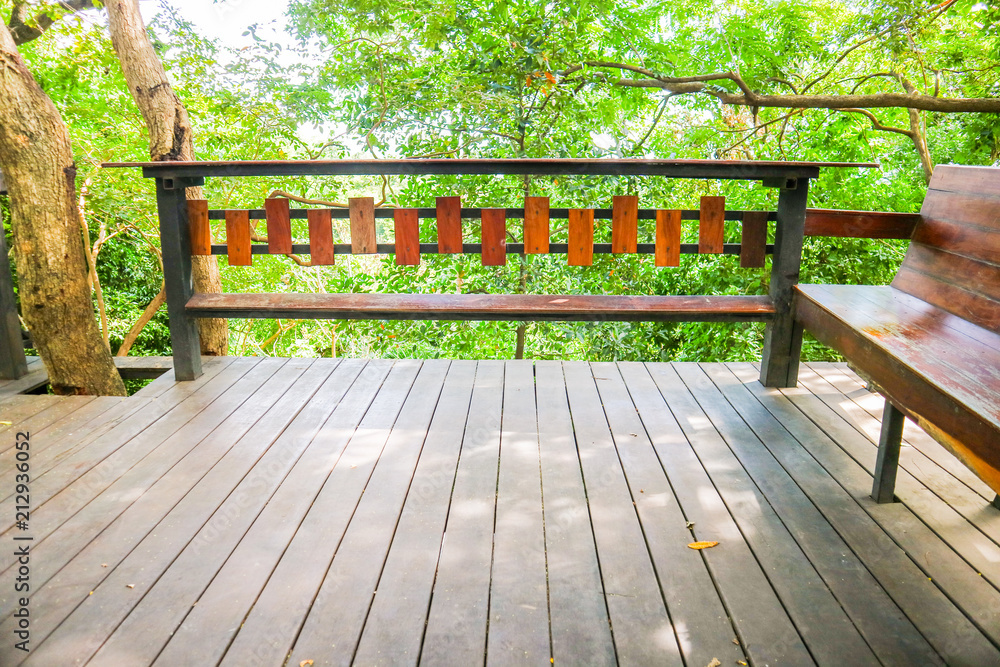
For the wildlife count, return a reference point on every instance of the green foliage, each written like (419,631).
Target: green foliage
(504,79)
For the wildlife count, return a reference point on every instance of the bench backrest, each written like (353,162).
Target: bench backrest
(953,261)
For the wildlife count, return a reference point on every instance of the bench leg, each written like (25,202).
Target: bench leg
(888,454)
(996,502)
(172,208)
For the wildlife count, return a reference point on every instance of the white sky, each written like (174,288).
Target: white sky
(227,21)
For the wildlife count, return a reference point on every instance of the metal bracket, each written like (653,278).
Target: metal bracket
(179,183)
(783,183)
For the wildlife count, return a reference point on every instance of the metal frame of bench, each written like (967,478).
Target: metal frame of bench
(782,337)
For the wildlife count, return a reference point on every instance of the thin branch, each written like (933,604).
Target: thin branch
(140,324)
(876,124)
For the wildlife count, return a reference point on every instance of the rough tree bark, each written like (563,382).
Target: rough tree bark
(37,160)
(169,135)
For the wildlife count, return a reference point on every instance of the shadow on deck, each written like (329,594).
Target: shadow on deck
(275,511)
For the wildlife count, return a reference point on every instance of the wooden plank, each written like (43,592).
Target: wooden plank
(30,382)
(753,247)
(353,439)
(199,228)
(697,612)
(196,571)
(860,224)
(456,623)
(58,411)
(72,432)
(668,237)
(752,170)
(142,367)
(827,475)
(209,626)
(65,490)
(571,307)
(238,238)
(581,631)
(148,586)
(279,226)
(581,237)
(972,207)
(334,624)
(18,407)
(624,223)
(320,237)
(449,224)
(712,224)
(925,449)
(407,227)
(843,583)
(939,500)
(642,629)
(979,278)
(818,616)
(760,621)
(536,225)
(937,509)
(362,212)
(395,625)
(960,238)
(917,591)
(494,229)
(519,613)
(955,299)
(966,180)
(948,382)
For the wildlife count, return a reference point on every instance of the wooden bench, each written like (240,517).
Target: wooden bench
(931,340)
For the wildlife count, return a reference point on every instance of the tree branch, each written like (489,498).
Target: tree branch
(23,29)
(750,98)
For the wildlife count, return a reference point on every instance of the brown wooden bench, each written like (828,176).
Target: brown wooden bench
(931,340)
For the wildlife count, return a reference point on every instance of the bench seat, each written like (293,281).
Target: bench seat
(538,307)
(940,369)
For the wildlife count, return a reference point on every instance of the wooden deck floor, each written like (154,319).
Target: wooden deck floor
(380,512)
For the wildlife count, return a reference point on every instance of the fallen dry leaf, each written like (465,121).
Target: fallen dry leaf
(6,423)
(305,663)
(129,585)
(715,663)
(690,525)
(703,545)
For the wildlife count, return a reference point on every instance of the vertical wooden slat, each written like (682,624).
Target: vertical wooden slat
(449,224)
(711,228)
(624,223)
(753,246)
(407,236)
(201,232)
(668,238)
(320,236)
(581,237)
(279,226)
(494,237)
(536,225)
(362,210)
(238,238)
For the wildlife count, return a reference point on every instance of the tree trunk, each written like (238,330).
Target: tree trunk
(37,160)
(169,136)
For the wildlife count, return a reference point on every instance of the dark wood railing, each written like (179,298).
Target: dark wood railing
(184,229)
